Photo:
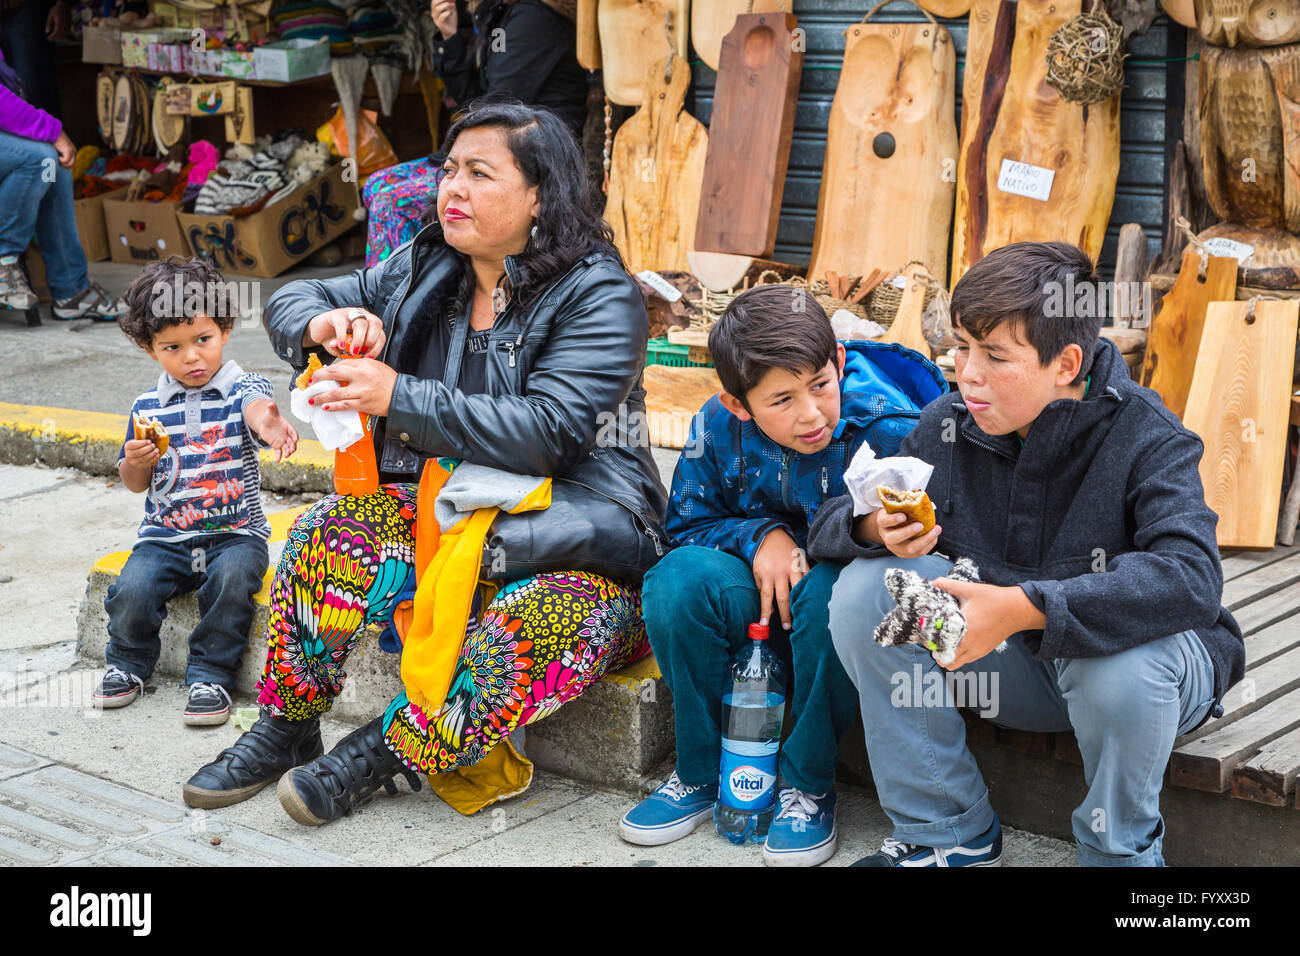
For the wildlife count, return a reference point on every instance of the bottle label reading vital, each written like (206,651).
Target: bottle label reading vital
(748,782)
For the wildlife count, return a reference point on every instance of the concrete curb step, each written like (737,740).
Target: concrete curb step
(89,441)
(614,735)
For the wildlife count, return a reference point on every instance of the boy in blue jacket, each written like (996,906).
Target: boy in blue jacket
(762,457)
(1076,493)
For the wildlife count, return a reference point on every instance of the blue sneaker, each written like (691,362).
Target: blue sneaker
(803,831)
(984,850)
(668,814)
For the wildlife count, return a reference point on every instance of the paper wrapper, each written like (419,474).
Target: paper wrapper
(334,430)
(866,471)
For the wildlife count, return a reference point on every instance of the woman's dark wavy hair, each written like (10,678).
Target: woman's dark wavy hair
(569,223)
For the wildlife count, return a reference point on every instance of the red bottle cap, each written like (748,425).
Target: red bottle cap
(758,632)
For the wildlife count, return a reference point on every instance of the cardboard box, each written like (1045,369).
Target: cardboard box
(203,62)
(279,235)
(136,43)
(91,228)
(237,65)
(101,44)
(141,232)
(290,60)
(167,57)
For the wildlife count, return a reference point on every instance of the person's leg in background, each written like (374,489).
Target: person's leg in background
(56,235)
(25,178)
(75,296)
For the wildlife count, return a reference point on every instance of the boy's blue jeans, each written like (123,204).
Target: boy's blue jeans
(1125,709)
(698,604)
(232,567)
(29,202)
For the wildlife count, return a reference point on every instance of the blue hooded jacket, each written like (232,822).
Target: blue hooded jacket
(733,484)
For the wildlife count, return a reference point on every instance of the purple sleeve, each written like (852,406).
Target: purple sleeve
(19,117)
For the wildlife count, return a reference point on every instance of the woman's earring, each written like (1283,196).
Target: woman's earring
(533,232)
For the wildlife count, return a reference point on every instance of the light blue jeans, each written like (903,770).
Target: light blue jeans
(1125,709)
(32,201)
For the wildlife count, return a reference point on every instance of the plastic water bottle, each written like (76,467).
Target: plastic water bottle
(751,733)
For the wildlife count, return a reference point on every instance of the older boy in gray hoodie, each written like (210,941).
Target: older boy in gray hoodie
(1077,495)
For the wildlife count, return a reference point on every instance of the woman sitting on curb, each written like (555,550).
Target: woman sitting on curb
(508,335)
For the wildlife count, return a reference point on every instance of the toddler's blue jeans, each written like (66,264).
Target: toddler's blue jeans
(225,569)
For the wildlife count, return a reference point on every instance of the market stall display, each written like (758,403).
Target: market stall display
(749,136)
(656,172)
(891,131)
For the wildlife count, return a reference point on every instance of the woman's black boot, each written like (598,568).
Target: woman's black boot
(272,746)
(345,778)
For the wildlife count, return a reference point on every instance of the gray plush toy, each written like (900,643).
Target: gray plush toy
(925,614)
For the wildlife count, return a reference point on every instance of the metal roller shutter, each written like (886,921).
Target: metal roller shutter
(1139,196)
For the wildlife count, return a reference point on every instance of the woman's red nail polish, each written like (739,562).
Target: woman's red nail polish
(311,401)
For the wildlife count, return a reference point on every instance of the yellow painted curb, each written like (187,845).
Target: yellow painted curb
(50,424)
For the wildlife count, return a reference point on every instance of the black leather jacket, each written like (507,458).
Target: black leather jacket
(564,396)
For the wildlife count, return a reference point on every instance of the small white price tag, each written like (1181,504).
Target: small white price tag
(1230,249)
(1025,179)
(659,284)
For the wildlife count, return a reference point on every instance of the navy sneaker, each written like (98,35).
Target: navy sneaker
(803,831)
(117,688)
(668,814)
(984,850)
(208,705)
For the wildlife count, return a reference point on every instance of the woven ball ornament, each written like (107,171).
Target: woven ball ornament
(1085,58)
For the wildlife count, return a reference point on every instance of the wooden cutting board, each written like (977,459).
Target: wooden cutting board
(633,37)
(656,172)
(988,58)
(1019,119)
(885,199)
(946,8)
(749,136)
(672,397)
(1238,404)
(712,20)
(1181,11)
(1174,338)
(588,30)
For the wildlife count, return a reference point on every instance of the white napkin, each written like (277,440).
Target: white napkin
(334,430)
(866,471)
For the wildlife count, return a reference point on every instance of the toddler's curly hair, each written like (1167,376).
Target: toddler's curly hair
(174,291)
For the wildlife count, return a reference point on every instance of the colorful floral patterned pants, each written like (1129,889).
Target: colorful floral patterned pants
(536,645)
